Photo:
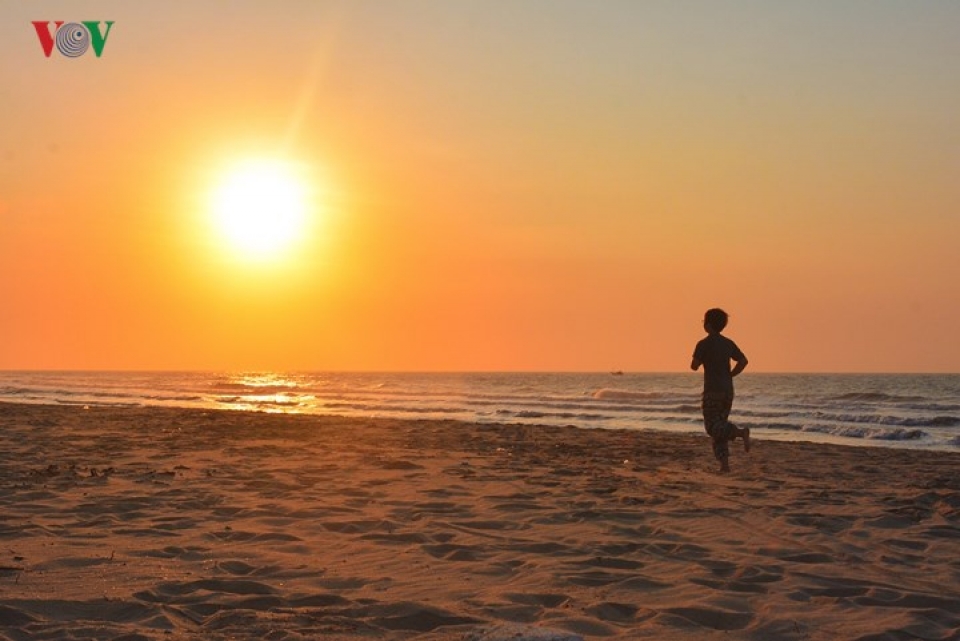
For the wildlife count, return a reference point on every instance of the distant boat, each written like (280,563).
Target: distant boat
(617,373)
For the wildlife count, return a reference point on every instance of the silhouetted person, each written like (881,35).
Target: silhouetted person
(715,353)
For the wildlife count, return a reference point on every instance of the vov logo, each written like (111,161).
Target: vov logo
(73,38)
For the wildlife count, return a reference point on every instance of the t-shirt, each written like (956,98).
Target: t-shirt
(715,352)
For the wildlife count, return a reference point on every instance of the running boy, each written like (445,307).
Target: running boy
(715,353)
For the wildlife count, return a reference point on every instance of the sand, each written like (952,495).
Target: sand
(150,523)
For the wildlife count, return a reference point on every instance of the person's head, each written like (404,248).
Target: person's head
(715,320)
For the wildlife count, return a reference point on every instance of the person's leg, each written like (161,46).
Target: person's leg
(728,431)
(742,432)
(720,448)
(716,408)
(736,432)
(708,407)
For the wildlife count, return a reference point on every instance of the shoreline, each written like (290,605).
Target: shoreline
(901,412)
(169,523)
(767,434)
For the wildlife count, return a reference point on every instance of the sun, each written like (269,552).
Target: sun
(260,208)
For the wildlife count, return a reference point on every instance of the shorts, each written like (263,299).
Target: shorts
(716,413)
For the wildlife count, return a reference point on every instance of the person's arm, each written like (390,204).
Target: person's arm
(697,357)
(740,366)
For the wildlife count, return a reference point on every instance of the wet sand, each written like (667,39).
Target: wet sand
(155,523)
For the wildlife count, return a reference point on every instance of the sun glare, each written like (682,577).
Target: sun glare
(261,208)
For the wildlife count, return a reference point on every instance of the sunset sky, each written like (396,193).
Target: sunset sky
(523,185)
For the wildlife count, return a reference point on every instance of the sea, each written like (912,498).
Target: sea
(915,411)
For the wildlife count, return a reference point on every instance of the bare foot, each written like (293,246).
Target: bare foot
(746,439)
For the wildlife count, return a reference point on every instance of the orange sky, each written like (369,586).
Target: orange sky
(499,186)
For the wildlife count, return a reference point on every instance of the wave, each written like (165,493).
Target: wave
(257,401)
(16,391)
(161,397)
(859,432)
(931,407)
(871,433)
(760,413)
(553,415)
(252,388)
(82,403)
(625,395)
(899,421)
(379,407)
(877,396)
(57,393)
(619,408)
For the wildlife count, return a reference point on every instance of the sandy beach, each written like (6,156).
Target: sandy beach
(153,523)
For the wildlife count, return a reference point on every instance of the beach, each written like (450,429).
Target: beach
(173,523)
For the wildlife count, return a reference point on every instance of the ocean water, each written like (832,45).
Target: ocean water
(894,410)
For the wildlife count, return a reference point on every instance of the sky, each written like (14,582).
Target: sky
(550,185)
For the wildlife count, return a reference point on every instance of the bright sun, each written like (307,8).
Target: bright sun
(261,208)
